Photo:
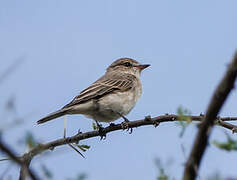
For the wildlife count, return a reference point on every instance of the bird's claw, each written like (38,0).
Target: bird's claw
(102,134)
(125,125)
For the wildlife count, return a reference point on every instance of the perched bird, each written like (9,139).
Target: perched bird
(110,97)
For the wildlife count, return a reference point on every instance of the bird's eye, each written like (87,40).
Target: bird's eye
(127,64)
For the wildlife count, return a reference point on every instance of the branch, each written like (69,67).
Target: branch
(115,127)
(217,100)
(19,161)
(229,126)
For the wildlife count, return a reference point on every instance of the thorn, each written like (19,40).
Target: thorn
(76,150)
(79,131)
(156,124)
(112,124)
(148,118)
(234,130)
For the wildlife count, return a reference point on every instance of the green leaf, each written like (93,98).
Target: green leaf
(94,126)
(184,114)
(162,175)
(229,145)
(82,147)
(183,119)
(82,176)
(30,140)
(85,146)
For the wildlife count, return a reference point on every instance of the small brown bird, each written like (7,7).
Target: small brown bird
(110,97)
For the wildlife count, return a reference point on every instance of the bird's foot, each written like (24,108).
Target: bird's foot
(125,125)
(101,131)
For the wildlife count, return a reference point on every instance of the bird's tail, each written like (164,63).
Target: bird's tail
(52,116)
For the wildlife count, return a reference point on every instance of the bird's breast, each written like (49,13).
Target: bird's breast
(121,102)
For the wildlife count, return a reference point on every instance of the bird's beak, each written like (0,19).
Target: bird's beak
(143,66)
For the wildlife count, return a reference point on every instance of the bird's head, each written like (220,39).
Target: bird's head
(127,65)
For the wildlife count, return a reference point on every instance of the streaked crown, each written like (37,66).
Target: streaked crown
(124,62)
(127,65)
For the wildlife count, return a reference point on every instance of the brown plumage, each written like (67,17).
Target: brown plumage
(106,84)
(121,76)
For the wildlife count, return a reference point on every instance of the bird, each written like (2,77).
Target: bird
(109,98)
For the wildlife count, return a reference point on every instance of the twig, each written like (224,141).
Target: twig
(217,100)
(75,149)
(19,161)
(229,126)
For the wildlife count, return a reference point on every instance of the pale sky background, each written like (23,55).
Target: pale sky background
(67,45)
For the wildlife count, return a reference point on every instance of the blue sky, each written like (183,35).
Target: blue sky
(67,45)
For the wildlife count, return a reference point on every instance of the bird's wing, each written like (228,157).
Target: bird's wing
(103,86)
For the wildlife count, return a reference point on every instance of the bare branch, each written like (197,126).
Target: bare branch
(229,126)
(217,100)
(19,161)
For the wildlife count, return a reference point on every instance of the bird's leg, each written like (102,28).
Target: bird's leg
(125,123)
(124,118)
(100,130)
(98,125)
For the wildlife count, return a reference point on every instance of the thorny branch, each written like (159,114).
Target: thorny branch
(27,157)
(115,127)
(220,95)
